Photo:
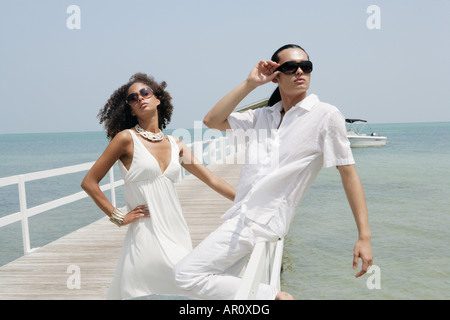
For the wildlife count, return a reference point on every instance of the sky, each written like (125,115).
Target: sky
(383,61)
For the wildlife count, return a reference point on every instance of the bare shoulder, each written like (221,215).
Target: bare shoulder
(123,138)
(121,144)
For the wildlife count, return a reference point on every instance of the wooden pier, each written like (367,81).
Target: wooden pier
(92,252)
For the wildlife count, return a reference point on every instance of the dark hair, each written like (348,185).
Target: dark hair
(116,114)
(276,96)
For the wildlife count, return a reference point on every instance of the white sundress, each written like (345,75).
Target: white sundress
(152,246)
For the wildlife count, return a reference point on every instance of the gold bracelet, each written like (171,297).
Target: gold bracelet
(117,217)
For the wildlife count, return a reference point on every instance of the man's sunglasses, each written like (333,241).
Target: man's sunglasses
(144,93)
(291,67)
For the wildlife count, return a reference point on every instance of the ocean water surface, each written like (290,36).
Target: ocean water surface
(407,185)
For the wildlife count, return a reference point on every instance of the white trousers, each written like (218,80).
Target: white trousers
(211,270)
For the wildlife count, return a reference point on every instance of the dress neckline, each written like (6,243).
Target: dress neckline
(153,157)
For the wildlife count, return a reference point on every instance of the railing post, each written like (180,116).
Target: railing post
(23,212)
(276,265)
(264,266)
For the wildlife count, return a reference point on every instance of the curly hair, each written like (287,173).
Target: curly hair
(116,114)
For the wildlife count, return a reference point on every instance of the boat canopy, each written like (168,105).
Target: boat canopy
(354,120)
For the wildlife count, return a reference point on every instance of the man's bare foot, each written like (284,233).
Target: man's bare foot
(284,296)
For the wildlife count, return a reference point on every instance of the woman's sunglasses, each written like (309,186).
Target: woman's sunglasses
(291,67)
(144,93)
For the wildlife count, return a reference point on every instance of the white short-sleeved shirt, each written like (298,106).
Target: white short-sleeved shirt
(282,163)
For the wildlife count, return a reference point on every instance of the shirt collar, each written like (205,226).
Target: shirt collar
(306,104)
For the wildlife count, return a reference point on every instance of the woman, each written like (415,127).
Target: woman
(157,236)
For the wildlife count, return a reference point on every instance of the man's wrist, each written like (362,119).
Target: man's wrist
(249,85)
(364,236)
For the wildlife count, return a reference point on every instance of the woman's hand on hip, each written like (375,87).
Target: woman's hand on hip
(137,213)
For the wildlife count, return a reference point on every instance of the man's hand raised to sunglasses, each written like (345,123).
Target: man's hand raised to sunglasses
(263,72)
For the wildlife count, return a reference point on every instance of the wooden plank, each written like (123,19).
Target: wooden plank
(94,249)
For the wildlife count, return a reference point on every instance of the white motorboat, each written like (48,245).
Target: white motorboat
(358,138)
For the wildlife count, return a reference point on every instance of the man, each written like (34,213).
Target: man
(303,135)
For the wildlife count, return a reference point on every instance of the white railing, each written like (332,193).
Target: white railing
(264,267)
(26,212)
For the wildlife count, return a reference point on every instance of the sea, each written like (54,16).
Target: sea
(406,185)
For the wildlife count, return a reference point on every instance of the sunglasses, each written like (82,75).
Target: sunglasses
(291,67)
(144,93)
